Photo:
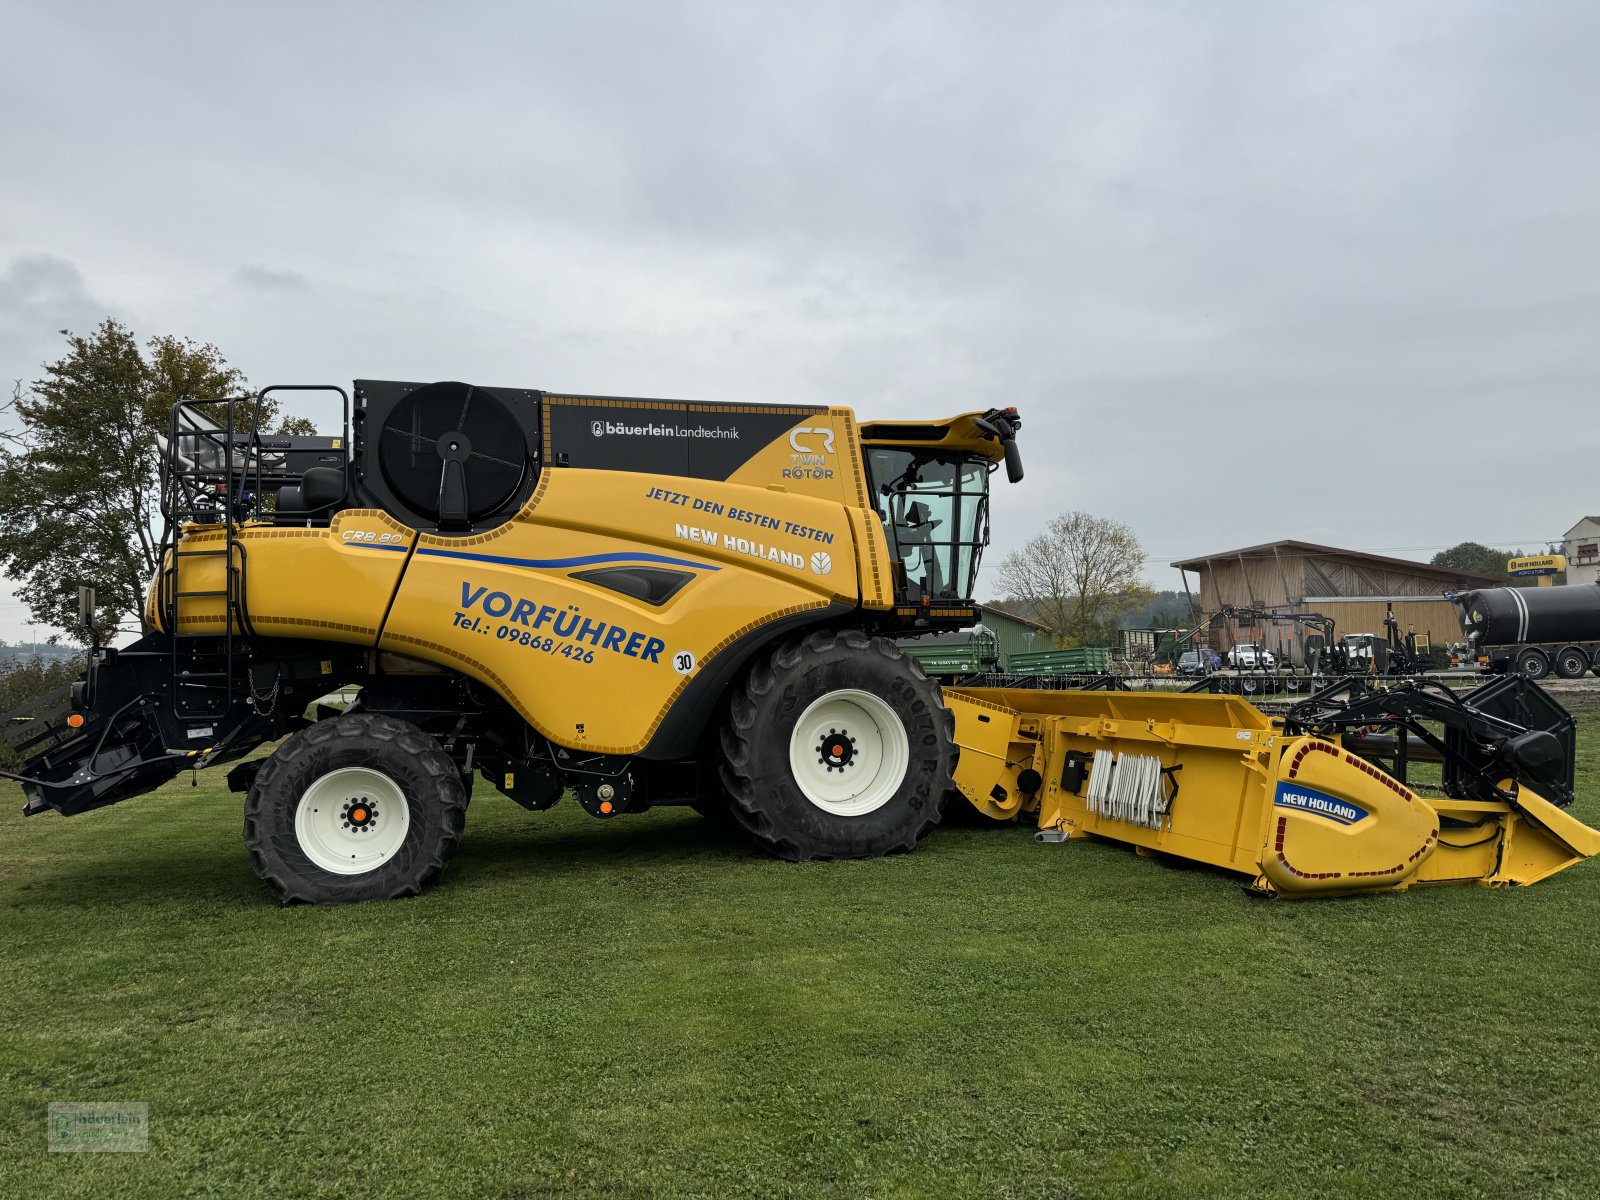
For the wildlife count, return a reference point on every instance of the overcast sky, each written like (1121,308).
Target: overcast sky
(1254,270)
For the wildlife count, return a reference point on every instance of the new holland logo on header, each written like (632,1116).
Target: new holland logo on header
(1318,804)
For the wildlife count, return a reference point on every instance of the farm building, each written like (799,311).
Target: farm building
(1352,587)
(1582,546)
(1015,635)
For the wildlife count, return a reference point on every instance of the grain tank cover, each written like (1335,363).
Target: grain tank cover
(1509,616)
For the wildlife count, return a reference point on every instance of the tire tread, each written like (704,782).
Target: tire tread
(739,737)
(444,783)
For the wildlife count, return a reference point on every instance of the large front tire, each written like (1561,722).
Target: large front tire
(837,746)
(359,807)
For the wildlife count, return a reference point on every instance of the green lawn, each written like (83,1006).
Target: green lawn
(643,1008)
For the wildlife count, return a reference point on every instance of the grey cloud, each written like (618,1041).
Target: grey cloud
(34,285)
(268,279)
(40,294)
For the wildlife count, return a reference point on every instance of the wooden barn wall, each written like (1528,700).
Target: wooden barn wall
(1263,582)
(1433,619)
(1281,582)
(1340,577)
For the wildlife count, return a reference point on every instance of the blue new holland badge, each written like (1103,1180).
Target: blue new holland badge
(1318,804)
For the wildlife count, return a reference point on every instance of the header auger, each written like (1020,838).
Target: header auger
(647,602)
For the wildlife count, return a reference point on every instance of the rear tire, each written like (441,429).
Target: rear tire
(1533,663)
(359,807)
(837,746)
(1571,663)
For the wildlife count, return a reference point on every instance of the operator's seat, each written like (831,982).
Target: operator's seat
(917,534)
(320,493)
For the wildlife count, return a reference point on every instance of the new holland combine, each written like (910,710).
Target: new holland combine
(641,602)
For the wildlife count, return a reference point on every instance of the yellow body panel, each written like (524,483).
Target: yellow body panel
(583,665)
(768,532)
(822,459)
(790,533)
(984,733)
(332,583)
(590,668)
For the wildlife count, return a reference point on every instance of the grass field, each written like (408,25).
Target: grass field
(644,1008)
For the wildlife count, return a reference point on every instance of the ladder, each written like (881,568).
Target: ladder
(205,481)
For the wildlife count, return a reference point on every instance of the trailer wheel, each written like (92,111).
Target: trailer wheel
(1571,662)
(359,807)
(1533,663)
(837,746)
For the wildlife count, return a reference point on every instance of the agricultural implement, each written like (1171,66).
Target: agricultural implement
(1534,631)
(642,603)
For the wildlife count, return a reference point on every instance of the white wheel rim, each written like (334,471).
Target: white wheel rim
(849,753)
(352,820)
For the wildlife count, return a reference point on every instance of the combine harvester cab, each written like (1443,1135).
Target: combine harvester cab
(1213,779)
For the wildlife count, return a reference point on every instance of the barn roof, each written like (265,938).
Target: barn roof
(991,610)
(1292,547)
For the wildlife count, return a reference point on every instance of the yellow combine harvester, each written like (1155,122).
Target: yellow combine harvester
(648,602)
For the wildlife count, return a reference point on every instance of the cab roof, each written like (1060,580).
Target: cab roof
(958,435)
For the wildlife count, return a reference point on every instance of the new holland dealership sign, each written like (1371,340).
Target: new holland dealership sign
(1544,564)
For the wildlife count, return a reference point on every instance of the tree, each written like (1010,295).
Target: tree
(1473,556)
(1077,576)
(79,481)
(1164,610)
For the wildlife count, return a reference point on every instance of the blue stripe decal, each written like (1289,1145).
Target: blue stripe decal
(375,546)
(583,560)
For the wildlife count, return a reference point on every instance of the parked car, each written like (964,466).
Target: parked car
(1251,658)
(1193,662)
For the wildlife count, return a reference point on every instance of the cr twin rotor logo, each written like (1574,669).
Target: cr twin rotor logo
(809,431)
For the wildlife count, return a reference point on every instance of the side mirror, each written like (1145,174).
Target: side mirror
(1013,460)
(86,608)
(1002,424)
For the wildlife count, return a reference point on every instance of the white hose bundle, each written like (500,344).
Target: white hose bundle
(1127,787)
